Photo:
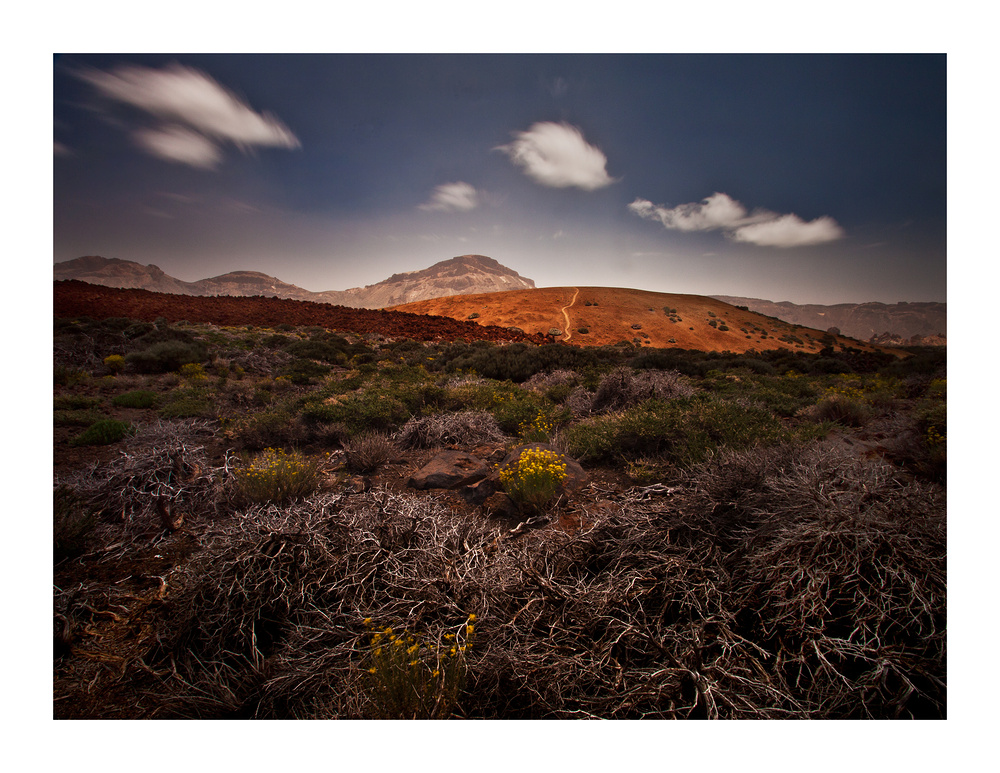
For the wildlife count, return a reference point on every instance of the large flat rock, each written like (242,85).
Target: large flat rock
(449,470)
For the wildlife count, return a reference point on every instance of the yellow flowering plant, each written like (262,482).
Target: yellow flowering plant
(277,476)
(534,478)
(407,676)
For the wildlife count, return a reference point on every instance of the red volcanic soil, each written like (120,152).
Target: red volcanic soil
(78,299)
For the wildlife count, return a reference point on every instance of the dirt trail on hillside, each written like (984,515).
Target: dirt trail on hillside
(569,331)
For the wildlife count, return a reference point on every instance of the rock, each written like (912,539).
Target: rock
(449,470)
(555,332)
(499,505)
(478,493)
(576,476)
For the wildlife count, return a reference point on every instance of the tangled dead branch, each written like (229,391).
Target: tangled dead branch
(778,585)
(161,477)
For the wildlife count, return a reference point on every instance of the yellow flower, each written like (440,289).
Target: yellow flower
(472,618)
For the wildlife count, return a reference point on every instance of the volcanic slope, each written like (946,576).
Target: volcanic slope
(595,316)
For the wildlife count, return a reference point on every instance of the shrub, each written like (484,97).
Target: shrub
(166,356)
(103,432)
(839,409)
(114,363)
(279,427)
(140,398)
(624,387)
(277,477)
(369,451)
(439,429)
(193,371)
(534,478)
(75,402)
(77,418)
(681,431)
(189,403)
(72,523)
(409,678)
(537,430)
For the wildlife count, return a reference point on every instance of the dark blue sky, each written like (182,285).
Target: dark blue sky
(810,178)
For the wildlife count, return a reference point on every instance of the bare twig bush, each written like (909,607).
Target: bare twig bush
(369,451)
(625,387)
(824,599)
(462,428)
(161,478)
(843,566)
(543,382)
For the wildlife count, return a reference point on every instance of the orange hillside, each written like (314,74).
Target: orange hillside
(594,316)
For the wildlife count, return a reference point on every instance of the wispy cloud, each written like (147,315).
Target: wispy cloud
(195,114)
(452,197)
(557,155)
(761,227)
(58,149)
(175,143)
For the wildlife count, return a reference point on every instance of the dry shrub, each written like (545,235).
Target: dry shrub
(164,466)
(842,570)
(624,387)
(368,452)
(826,601)
(465,428)
(543,382)
(840,410)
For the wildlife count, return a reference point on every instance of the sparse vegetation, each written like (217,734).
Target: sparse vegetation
(763,535)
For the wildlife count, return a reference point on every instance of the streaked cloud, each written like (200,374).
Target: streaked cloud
(196,114)
(761,227)
(557,155)
(58,149)
(452,197)
(175,143)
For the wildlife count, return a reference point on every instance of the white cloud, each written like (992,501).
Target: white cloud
(557,155)
(175,143)
(452,197)
(58,149)
(196,112)
(789,231)
(721,212)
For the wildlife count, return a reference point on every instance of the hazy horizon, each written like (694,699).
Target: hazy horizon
(806,178)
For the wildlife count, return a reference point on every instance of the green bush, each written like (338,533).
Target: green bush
(166,356)
(680,431)
(78,418)
(139,398)
(103,432)
(75,402)
(187,403)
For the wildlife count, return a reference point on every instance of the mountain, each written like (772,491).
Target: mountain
(901,321)
(113,272)
(597,316)
(464,274)
(459,276)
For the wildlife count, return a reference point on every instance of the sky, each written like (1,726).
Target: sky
(807,178)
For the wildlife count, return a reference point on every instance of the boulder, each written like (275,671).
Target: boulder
(449,470)
(477,493)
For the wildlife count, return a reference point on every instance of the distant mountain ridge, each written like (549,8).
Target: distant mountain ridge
(899,323)
(457,276)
